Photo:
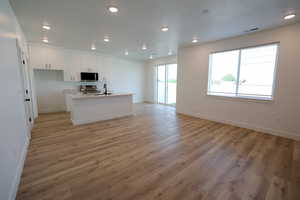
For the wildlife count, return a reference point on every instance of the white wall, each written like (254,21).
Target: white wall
(14,132)
(122,76)
(125,76)
(151,79)
(281,117)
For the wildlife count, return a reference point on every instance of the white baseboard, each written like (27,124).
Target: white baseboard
(271,131)
(17,179)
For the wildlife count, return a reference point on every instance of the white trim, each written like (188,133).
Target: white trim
(17,178)
(248,47)
(281,133)
(238,74)
(256,98)
(166,83)
(274,86)
(210,62)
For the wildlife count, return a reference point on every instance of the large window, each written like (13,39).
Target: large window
(247,73)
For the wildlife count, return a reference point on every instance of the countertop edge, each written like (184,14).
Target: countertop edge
(77,97)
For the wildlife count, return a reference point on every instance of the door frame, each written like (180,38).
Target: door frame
(26,87)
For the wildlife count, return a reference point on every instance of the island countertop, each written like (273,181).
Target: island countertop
(93,96)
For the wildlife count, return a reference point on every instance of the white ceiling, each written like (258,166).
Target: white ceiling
(76,24)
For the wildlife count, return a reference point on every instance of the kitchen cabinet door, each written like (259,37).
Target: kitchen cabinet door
(38,56)
(106,67)
(89,63)
(70,76)
(73,62)
(99,64)
(44,57)
(55,58)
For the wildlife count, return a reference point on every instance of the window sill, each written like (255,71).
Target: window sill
(242,98)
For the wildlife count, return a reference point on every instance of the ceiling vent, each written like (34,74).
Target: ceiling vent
(251,30)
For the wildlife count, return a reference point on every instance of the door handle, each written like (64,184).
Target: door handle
(27,99)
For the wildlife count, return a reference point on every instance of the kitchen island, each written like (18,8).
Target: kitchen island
(88,108)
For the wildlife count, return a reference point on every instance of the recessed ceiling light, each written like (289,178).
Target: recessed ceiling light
(164,28)
(205,11)
(195,40)
(46,27)
(126,53)
(106,39)
(151,56)
(93,47)
(144,47)
(170,53)
(113,9)
(45,40)
(289,16)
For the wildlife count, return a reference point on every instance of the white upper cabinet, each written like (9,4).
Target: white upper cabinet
(89,63)
(107,63)
(71,61)
(55,58)
(42,57)
(37,57)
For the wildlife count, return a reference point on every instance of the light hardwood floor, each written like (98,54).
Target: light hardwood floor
(155,155)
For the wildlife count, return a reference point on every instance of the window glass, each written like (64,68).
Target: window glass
(245,72)
(257,71)
(223,72)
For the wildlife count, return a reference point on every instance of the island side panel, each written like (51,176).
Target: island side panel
(88,110)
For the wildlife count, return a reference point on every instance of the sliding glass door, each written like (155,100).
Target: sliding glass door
(166,84)
(171,83)
(161,83)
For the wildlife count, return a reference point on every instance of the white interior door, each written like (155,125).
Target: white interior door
(24,72)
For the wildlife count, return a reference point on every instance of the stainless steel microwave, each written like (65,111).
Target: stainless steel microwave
(89,76)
